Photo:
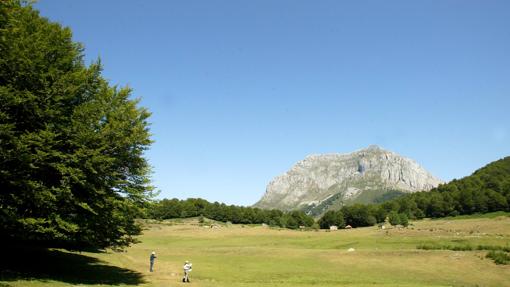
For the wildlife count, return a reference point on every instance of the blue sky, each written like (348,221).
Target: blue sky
(242,90)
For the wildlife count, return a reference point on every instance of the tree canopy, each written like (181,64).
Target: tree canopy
(332,218)
(192,207)
(72,166)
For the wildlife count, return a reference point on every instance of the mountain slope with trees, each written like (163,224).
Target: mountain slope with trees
(486,190)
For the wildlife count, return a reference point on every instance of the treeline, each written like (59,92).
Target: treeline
(175,208)
(359,215)
(486,190)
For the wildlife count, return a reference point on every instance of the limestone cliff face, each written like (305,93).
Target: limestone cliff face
(322,182)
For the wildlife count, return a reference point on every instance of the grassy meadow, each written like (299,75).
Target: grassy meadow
(236,255)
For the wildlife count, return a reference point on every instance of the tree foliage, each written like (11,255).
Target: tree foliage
(192,207)
(332,218)
(72,169)
(358,215)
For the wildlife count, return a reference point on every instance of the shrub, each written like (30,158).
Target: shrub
(493,247)
(499,257)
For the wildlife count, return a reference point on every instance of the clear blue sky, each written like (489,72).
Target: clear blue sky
(241,90)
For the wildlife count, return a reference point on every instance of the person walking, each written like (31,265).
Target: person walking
(152,258)
(187,270)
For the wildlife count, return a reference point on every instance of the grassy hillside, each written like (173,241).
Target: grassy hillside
(233,255)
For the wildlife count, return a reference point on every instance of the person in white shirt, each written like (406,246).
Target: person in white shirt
(187,270)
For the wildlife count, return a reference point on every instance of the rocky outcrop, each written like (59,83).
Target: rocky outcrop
(321,182)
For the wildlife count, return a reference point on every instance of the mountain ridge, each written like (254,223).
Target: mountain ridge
(327,181)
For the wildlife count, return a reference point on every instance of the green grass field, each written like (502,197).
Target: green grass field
(259,256)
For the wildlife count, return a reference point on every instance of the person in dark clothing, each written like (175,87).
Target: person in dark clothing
(152,258)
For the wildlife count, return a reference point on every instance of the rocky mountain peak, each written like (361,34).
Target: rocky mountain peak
(320,182)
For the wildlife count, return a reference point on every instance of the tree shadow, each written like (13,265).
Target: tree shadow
(28,263)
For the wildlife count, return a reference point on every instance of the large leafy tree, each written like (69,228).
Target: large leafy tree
(72,166)
(330,218)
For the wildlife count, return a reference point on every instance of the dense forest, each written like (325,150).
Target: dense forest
(486,190)
(192,207)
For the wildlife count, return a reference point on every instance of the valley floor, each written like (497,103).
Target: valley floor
(235,255)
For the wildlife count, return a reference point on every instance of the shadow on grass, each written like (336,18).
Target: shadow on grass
(18,263)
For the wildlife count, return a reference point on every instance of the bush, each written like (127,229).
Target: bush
(499,257)
(493,247)
(460,248)
(428,247)
(445,247)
